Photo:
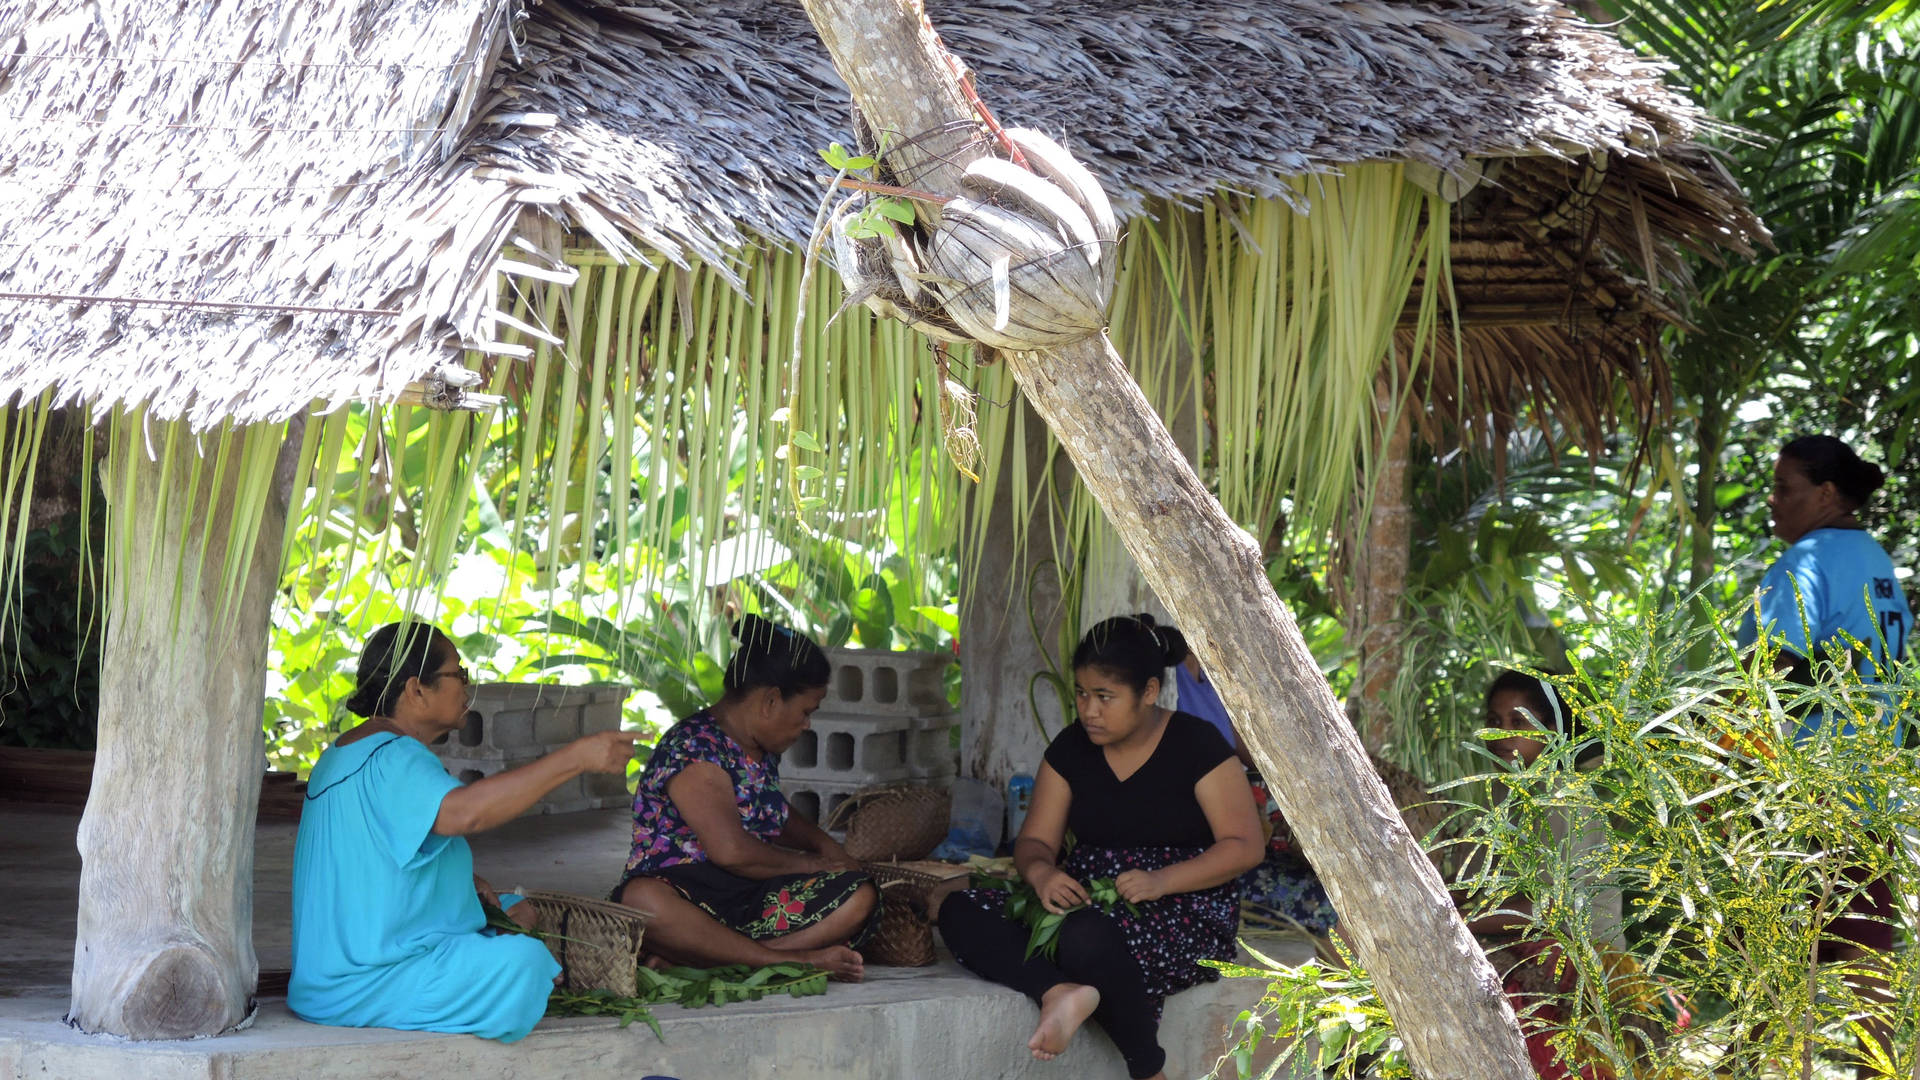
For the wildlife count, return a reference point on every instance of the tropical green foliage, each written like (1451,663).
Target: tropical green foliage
(1823,334)
(50,670)
(1348,1033)
(1820,335)
(1736,848)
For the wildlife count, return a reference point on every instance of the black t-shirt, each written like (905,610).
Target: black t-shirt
(1156,806)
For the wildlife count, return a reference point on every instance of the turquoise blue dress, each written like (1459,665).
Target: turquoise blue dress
(387,931)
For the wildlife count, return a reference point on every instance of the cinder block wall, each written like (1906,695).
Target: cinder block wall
(511,724)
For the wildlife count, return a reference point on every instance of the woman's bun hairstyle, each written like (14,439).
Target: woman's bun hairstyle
(1131,648)
(773,655)
(1827,460)
(1172,640)
(393,654)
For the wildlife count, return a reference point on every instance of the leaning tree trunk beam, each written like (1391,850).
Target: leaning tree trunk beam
(1443,994)
(164,948)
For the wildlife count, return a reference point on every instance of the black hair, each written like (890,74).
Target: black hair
(1131,648)
(395,653)
(1542,700)
(773,655)
(1826,459)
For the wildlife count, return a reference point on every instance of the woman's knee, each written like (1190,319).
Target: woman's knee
(1090,940)
(863,899)
(647,894)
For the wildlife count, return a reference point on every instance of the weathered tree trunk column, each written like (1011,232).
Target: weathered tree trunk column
(1444,997)
(1376,620)
(165,942)
(1010,603)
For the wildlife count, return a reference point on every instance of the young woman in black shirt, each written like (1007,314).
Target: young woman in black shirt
(1155,800)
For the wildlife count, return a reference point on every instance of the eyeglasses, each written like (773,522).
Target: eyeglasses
(458,673)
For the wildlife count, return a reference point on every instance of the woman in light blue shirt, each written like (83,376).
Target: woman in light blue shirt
(388,929)
(1834,587)
(1833,595)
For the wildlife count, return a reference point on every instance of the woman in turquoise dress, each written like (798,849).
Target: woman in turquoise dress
(388,929)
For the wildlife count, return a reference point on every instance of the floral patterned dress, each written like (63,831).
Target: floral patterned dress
(666,847)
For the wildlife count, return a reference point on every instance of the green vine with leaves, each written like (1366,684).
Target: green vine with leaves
(690,988)
(687,987)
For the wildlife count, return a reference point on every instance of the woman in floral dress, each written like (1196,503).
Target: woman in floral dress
(1156,801)
(726,872)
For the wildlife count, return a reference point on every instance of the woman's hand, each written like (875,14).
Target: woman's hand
(1058,891)
(485,891)
(1140,886)
(604,751)
(833,856)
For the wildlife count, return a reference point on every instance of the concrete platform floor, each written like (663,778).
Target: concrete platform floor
(935,1022)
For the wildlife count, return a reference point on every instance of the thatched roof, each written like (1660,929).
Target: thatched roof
(302,158)
(187,160)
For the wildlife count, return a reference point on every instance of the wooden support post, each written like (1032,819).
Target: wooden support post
(1376,616)
(1014,597)
(165,942)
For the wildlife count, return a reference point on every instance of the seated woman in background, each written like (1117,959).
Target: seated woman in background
(724,869)
(387,921)
(1157,801)
(1533,971)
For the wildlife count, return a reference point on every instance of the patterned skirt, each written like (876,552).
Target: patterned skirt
(1171,935)
(763,907)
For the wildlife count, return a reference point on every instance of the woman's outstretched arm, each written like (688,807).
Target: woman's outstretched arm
(500,798)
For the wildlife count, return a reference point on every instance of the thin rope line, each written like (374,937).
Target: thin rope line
(367,64)
(129,245)
(258,129)
(156,301)
(57,185)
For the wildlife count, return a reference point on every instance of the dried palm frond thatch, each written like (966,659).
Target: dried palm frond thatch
(233,212)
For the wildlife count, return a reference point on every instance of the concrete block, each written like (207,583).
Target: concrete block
(852,748)
(602,714)
(606,789)
(930,750)
(590,791)
(556,725)
(506,720)
(887,683)
(815,800)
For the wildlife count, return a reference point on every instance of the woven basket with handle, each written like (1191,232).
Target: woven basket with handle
(892,822)
(597,943)
(904,937)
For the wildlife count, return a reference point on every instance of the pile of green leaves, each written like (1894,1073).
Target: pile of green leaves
(1023,906)
(690,988)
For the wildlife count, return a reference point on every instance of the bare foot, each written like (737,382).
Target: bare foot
(1063,1008)
(842,964)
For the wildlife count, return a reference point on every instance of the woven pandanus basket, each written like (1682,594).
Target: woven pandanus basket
(892,821)
(597,943)
(904,937)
